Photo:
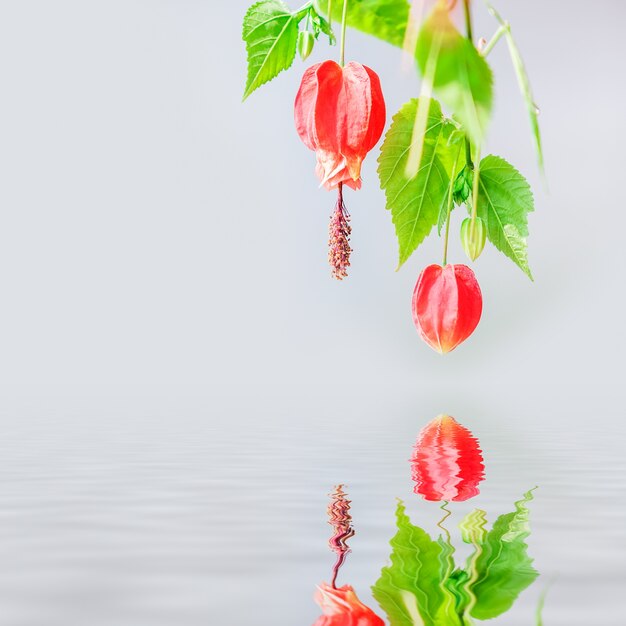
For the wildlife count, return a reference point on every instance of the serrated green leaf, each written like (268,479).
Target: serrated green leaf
(415,202)
(463,79)
(411,589)
(385,19)
(523,82)
(270,31)
(502,569)
(504,201)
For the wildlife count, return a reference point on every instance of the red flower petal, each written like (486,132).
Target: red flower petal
(341,607)
(339,113)
(447,304)
(447,462)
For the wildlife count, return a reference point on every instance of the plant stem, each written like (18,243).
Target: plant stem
(475,184)
(445,241)
(330,13)
(449,209)
(468,20)
(494,40)
(344,21)
(468,29)
(468,153)
(475,164)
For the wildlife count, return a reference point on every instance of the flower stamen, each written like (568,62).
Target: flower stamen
(339,238)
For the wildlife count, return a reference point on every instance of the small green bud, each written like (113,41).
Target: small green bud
(463,185)
(306,41)
(473,237)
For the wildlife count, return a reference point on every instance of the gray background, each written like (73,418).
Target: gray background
(181,380)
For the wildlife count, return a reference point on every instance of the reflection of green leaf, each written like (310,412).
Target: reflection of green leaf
(524,83)
(463,80)
(416,202)
(385,19)
(423,587)
(411,589)
(504,201)
(472,527)
(503,569)
(270,31)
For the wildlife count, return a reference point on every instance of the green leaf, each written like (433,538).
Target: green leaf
(416,201)
(462,80)
(524,84)
(320,25)
(502,569)
(504,201)
(411,589)
(270,31)
(385,19)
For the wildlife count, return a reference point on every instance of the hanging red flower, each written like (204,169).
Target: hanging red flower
(447,304)
(340,113)
(341,607)
(447,462)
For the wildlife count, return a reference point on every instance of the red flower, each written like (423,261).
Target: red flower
(341,607)
(447,462)
(447,304)
(340,113)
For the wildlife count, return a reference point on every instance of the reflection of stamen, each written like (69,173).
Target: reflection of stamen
(339,238)
(340,519)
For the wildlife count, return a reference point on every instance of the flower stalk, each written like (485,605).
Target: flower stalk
(344,23)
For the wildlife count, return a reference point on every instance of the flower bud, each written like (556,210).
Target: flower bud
(446,306)
(473,237)
(306,41)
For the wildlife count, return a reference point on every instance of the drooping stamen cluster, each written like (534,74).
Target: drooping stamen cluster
(340,519)
(339,231)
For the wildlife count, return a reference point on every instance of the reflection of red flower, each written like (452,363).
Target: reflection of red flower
(447,305)
(341,607)
(447,463)
(340,113)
